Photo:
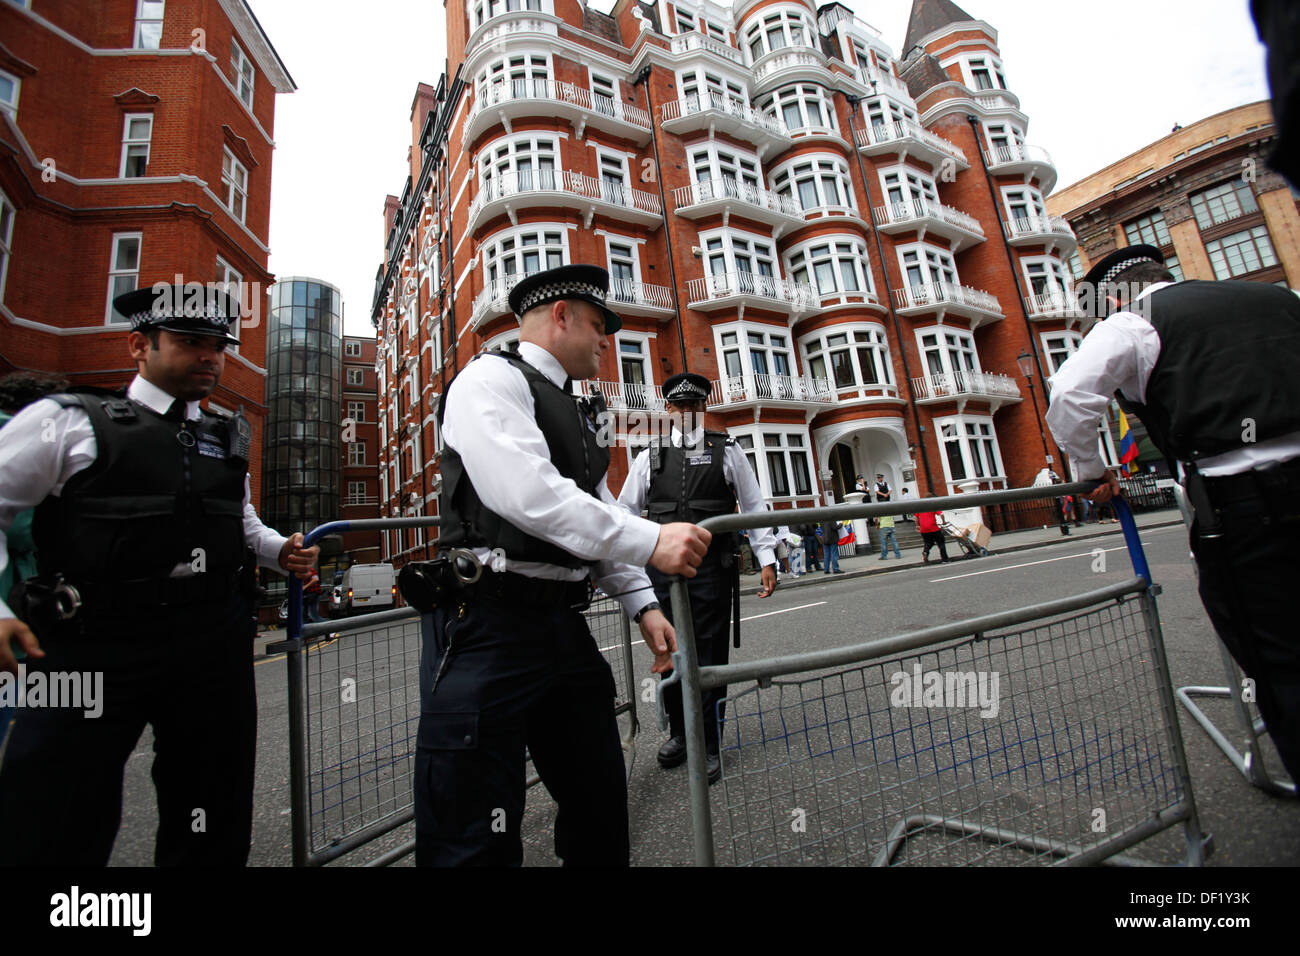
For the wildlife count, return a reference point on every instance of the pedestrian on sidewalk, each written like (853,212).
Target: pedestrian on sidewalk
(831,541)
(888,537)
(795,545)
(812,547)
(905,495)
(927,522)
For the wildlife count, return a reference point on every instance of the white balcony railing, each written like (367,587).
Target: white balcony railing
(686,42)
(914,209)
(715,190)
(790,58)
(759,387)
(513,90)
(695,104)
(1055,303)
(963,383)
(900,131)
(494,297)
(563,181)
(997,100)
(945,293)
(629,292)
(1017,153)
(723,285)
(628,396)
(1023,226)
(878,80)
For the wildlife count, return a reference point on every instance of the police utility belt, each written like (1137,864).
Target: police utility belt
(52,599)
(1276,488)
(456,577)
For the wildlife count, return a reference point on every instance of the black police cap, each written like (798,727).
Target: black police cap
(686,387)
(1091,291)
(586,283)
(193,308)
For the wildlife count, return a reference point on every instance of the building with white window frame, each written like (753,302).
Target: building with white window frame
(784,206)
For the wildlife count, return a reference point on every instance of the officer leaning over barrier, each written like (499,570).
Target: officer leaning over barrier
(146,546)
(1211,368)
(700,474)
(528,523)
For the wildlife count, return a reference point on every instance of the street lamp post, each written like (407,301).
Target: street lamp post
(1026,363)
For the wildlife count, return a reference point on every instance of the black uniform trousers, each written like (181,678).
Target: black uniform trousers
(1248,576)
(519,676)
(710,593)
(188,673)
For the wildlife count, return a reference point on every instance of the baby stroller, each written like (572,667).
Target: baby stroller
(973,540)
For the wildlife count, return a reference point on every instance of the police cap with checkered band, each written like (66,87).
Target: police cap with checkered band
(1091,289)
(582,282)
(193,309)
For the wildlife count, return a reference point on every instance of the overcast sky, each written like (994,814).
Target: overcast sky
(1098,81)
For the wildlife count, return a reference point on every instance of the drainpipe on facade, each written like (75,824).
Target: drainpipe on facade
(642,77)
(889,297)
(1015,275)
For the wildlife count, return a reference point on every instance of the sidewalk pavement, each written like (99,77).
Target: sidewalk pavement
(868,563)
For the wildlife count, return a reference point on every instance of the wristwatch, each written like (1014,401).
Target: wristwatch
(652,606)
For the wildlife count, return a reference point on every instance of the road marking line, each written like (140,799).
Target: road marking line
(742,620)
(783,611)
(1030,564)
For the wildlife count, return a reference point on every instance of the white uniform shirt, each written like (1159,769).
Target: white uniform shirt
(491,423)
(1120,354)
(736,471)
(45,444)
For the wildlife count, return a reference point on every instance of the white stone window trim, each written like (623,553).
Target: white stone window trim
(998,478)
(147,13)
(804,248)
(494,241)
(114,273)
(760,451)
(945,357)
(888,385)
(241,63)
(839,166)
(8,213)
(10,105)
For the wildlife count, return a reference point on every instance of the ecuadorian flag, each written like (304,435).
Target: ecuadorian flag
(1128,449)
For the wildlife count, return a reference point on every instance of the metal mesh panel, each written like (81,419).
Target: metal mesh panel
(1072,752)
(362,710)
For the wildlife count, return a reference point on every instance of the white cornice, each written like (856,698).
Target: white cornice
(961,27)
(257,43)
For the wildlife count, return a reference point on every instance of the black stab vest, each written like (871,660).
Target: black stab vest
(689,484)
(572,438)
(1229,351)
(147,501)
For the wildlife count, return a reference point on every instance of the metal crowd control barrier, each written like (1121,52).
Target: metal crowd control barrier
(1074,757)
(354,708)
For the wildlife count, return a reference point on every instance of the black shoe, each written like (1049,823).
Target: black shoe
(672,753)
(837,571)
(715,768)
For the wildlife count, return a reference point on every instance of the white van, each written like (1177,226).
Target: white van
(369,587)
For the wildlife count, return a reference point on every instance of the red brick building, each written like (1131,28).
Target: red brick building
(854,249)
(135,147)
(360,463)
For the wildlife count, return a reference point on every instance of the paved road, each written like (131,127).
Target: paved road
(1249,828)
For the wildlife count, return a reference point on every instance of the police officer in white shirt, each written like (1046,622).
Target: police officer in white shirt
(145,543)
(700,474)
(1213,371)
(509,661)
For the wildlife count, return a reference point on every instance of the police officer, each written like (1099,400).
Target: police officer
(699,474)
(508,659)
(143,598)
(1211,369)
